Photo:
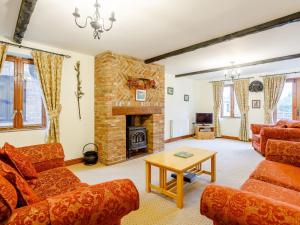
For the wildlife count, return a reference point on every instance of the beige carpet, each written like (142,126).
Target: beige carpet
(235,161)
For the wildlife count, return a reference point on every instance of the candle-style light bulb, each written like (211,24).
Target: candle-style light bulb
(112,17)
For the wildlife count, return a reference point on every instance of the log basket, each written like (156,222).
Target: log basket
(90,156)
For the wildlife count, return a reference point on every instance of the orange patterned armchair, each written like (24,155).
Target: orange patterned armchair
(62,198)
(282,130)
(270,196)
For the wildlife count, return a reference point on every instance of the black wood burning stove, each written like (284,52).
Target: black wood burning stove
(136,137)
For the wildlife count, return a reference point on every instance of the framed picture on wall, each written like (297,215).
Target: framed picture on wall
(255,104)
(170,91)
(186,98)
(140,95)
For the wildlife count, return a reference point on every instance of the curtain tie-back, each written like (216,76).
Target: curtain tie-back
(53,114)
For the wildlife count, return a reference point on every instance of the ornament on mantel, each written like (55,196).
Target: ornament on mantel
(141,83)
(79,92)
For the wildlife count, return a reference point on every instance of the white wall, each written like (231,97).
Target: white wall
(182,113)
(74,133)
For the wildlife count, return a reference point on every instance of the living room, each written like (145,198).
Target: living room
(149,112)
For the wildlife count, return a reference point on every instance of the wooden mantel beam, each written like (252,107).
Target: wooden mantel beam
(26,10)
(264,61)
(251,30)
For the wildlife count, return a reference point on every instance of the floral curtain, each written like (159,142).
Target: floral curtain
(3,50)
(273,86)
(218,98)
(49,67)
(241,90)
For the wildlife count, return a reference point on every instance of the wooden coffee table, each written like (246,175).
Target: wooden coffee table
(167,161)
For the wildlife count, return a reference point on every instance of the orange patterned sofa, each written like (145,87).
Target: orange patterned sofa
(282,130)
(59,196)
(270,196)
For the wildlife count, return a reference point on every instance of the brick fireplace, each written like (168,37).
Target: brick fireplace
(115,102)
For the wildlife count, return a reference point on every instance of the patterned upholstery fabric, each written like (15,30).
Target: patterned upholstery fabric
(54,182)
(279,174)
(103,204)
(20,161)
(8,199)
(279,131)
(44,156)
(287,152)
(270,196)
(227,206)
(26,196)
(272,191)
(117,198)
(64,200)
(35,214)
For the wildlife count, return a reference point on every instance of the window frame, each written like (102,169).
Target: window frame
(232,108)
(18,98)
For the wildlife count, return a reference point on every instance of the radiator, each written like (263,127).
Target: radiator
(179,127)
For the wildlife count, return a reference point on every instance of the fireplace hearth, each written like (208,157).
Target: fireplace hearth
(136,140)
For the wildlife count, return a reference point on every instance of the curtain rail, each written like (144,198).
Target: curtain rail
(295,72)
(35,49)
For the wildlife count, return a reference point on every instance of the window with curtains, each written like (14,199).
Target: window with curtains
(230,107)
(21,102)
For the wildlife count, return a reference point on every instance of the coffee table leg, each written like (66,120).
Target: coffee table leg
(213,168)
(162,177)
(180,190)
(148,177)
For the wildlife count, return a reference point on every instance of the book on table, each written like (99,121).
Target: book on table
(184,154)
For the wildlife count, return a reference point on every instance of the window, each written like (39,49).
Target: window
(21,104)
(284,108)
(229,107)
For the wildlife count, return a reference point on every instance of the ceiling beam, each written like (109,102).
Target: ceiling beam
(277,59)
(251,30)
(26,10)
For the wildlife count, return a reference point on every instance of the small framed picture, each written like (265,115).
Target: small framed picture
(140,95)
(170,91)
(186,98)
(255,104)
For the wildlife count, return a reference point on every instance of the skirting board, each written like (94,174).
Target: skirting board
(233,138)
(73,161)
(179,138)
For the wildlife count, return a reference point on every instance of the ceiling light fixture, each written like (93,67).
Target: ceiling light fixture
(233,73)
(97,22)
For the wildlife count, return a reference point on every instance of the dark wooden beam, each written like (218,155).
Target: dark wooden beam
(277,59)
(26,10)
(251,30)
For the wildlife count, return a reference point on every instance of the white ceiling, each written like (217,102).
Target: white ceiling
(148,28)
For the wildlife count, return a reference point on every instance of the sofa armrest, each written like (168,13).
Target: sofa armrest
(256,128)
(104,204)
(37,213)
(229,206)
(44,156)
(287,152)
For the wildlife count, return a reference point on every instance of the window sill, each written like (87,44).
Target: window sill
(9,129)
(230,117)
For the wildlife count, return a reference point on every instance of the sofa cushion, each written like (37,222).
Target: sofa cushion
(54,182)
(8,199)
(44,156)
(278,173)
(272,191)
(19,161)
(26,195)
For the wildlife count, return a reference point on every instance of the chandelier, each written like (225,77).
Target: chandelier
(96,21)
(233,73)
